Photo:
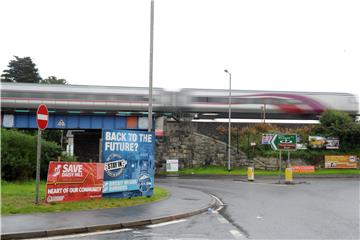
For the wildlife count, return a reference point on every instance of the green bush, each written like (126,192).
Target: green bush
(18,155)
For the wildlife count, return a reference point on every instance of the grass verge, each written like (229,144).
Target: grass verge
(219,170)
(19,198)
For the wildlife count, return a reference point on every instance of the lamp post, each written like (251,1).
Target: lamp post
(229,133)
(150,113)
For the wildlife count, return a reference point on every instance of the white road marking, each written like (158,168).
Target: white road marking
(236,234)
(259,217)
(222,220)
(166,223)
(220,206)
(85,234)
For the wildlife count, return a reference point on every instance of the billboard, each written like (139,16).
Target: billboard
(316,141)
(332,143)
(74,181)
(340,161)
(324,142)
(128,158)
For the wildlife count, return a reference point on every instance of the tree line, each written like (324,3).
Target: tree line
(24,70)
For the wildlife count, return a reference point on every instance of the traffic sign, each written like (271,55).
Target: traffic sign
(42,116)
(284,142)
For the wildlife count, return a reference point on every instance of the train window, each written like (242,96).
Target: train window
(200,99)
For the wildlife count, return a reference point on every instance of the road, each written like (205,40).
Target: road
(312,209)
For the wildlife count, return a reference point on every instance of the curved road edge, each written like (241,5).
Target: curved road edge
(215,203)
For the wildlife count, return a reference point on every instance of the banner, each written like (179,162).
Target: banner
(340,161)
(303,169)
(74,181)
(128,158)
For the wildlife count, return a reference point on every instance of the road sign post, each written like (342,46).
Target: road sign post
(279,166)
(38,157)
(283,142)
(42,117)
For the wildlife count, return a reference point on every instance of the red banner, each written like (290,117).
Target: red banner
(74,181)
(303,169)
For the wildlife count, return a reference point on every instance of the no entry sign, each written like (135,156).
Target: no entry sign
(42,116)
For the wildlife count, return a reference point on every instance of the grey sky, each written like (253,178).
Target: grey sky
(305,45)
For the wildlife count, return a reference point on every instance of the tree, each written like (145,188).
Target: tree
(340,124)
(334,123)
(53,80)
(21,70)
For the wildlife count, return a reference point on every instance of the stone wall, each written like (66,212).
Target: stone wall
(273,163)
(182,142)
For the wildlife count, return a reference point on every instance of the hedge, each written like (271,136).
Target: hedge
(18,155)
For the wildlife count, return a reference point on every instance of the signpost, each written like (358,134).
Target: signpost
(42,117)
(283,142)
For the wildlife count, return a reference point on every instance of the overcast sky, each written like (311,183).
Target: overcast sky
(286,45)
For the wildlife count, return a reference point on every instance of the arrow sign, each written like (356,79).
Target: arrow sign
(42,116)
(284,142)
(272,143)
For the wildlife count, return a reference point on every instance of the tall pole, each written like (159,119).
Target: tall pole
(264,112)
(151,66)
(229,133)
(38,159)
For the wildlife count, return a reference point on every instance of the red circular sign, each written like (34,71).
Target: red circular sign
(42,116)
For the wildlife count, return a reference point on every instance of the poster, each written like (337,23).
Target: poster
(266,138)
(172,165)
(340,161)
(128,158)
(74,181)
(316,141)
(332,143)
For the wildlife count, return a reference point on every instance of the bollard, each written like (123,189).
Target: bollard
(288,175)
(250,173)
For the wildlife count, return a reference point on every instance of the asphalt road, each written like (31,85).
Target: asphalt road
(315,209)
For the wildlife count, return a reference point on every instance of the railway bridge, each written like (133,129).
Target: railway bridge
(85,110)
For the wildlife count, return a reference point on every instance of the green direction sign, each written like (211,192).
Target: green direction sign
(284,142)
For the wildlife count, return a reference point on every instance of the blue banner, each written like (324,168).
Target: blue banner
(128,158)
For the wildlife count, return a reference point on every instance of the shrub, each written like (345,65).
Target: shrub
(18,155)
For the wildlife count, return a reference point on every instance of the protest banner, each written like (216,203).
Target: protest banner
(74,181)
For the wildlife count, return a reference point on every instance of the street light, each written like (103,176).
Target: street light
(150,113)
(229,139)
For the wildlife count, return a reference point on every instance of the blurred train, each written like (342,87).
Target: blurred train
(202,103)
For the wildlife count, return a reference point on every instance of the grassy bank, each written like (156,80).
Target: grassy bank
(219,170)
(19,198)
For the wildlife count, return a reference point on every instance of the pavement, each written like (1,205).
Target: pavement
(182,202)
